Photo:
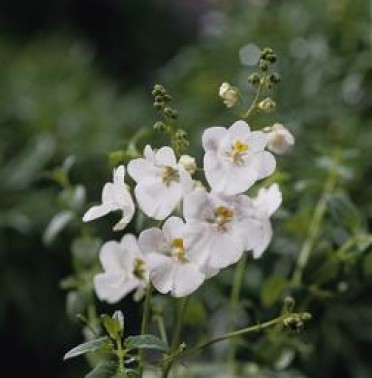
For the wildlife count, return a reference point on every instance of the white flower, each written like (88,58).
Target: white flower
(125,270)
(171,269)
(280,139)
(266,203)
(220,228)
(115,196)
(235,158)
(161,182)
(188,163)
(229,94)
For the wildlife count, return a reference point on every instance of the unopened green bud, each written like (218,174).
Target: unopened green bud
(158,105)
(267,105)
(293,323)
(274,78)
(167,98)
(289,304)
(171,113)
(181,134)
(119,317)
(159,126)
(271,58)
(158,90)
(263,65)
(266,51)
(159,98)
(254,78)
(305,316)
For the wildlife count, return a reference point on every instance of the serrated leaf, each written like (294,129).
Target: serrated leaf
(56,225)
(112,326)
(106,369)
(89,346)
(145,342)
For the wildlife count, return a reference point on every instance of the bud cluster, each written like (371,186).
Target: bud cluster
(162,99)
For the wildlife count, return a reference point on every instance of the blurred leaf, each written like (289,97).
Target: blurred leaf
(76,302)
(195,313)
(105,369)
(56,225)
(89,346)
(146,342)
(344,212)
(273,290)
(367,267)
(85,251)
(73,198)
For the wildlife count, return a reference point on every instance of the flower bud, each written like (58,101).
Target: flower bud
(159,126)
(228,94)
(188,162)
(280,139)
(254,78)
(119,317)
(267,105)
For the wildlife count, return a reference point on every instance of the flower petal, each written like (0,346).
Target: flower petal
(112,287)
(268,200)
(239,130)
(264,163)
(165,156)
(141,168)
(156,199)
(186,279)
(109,256)
(194,204)
(212,137)
(97,212)
(174,228)
(153,240)
(161,272)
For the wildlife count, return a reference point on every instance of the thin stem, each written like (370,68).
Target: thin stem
(256,98)
(161,327)
(176,335)
(120,355)
(240,332)
(234,305)
(145,323)
(315,224)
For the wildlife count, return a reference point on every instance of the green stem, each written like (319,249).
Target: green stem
(176,335)
(256,98)
(162,331)
(145,323)
(120,355)
(240,332)
(234,305)
(315,224)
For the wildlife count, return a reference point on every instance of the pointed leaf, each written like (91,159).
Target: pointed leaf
(112,326)
(106,369)
(89,346)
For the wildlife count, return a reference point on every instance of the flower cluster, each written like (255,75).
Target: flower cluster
(201,231)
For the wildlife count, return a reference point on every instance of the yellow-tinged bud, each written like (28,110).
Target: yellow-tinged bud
(228,94)
(267,105)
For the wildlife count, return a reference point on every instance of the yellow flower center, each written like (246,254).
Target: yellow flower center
(223,215)
(139,268)
(178,250)
(238,150)
(169,175)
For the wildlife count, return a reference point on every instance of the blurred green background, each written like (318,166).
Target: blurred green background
(75,79)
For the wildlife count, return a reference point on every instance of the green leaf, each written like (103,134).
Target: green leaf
(89,346)
(112,326)
(106,369)
(77,302)
(85,251)
(273,290)
(145,342)
(56,225)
